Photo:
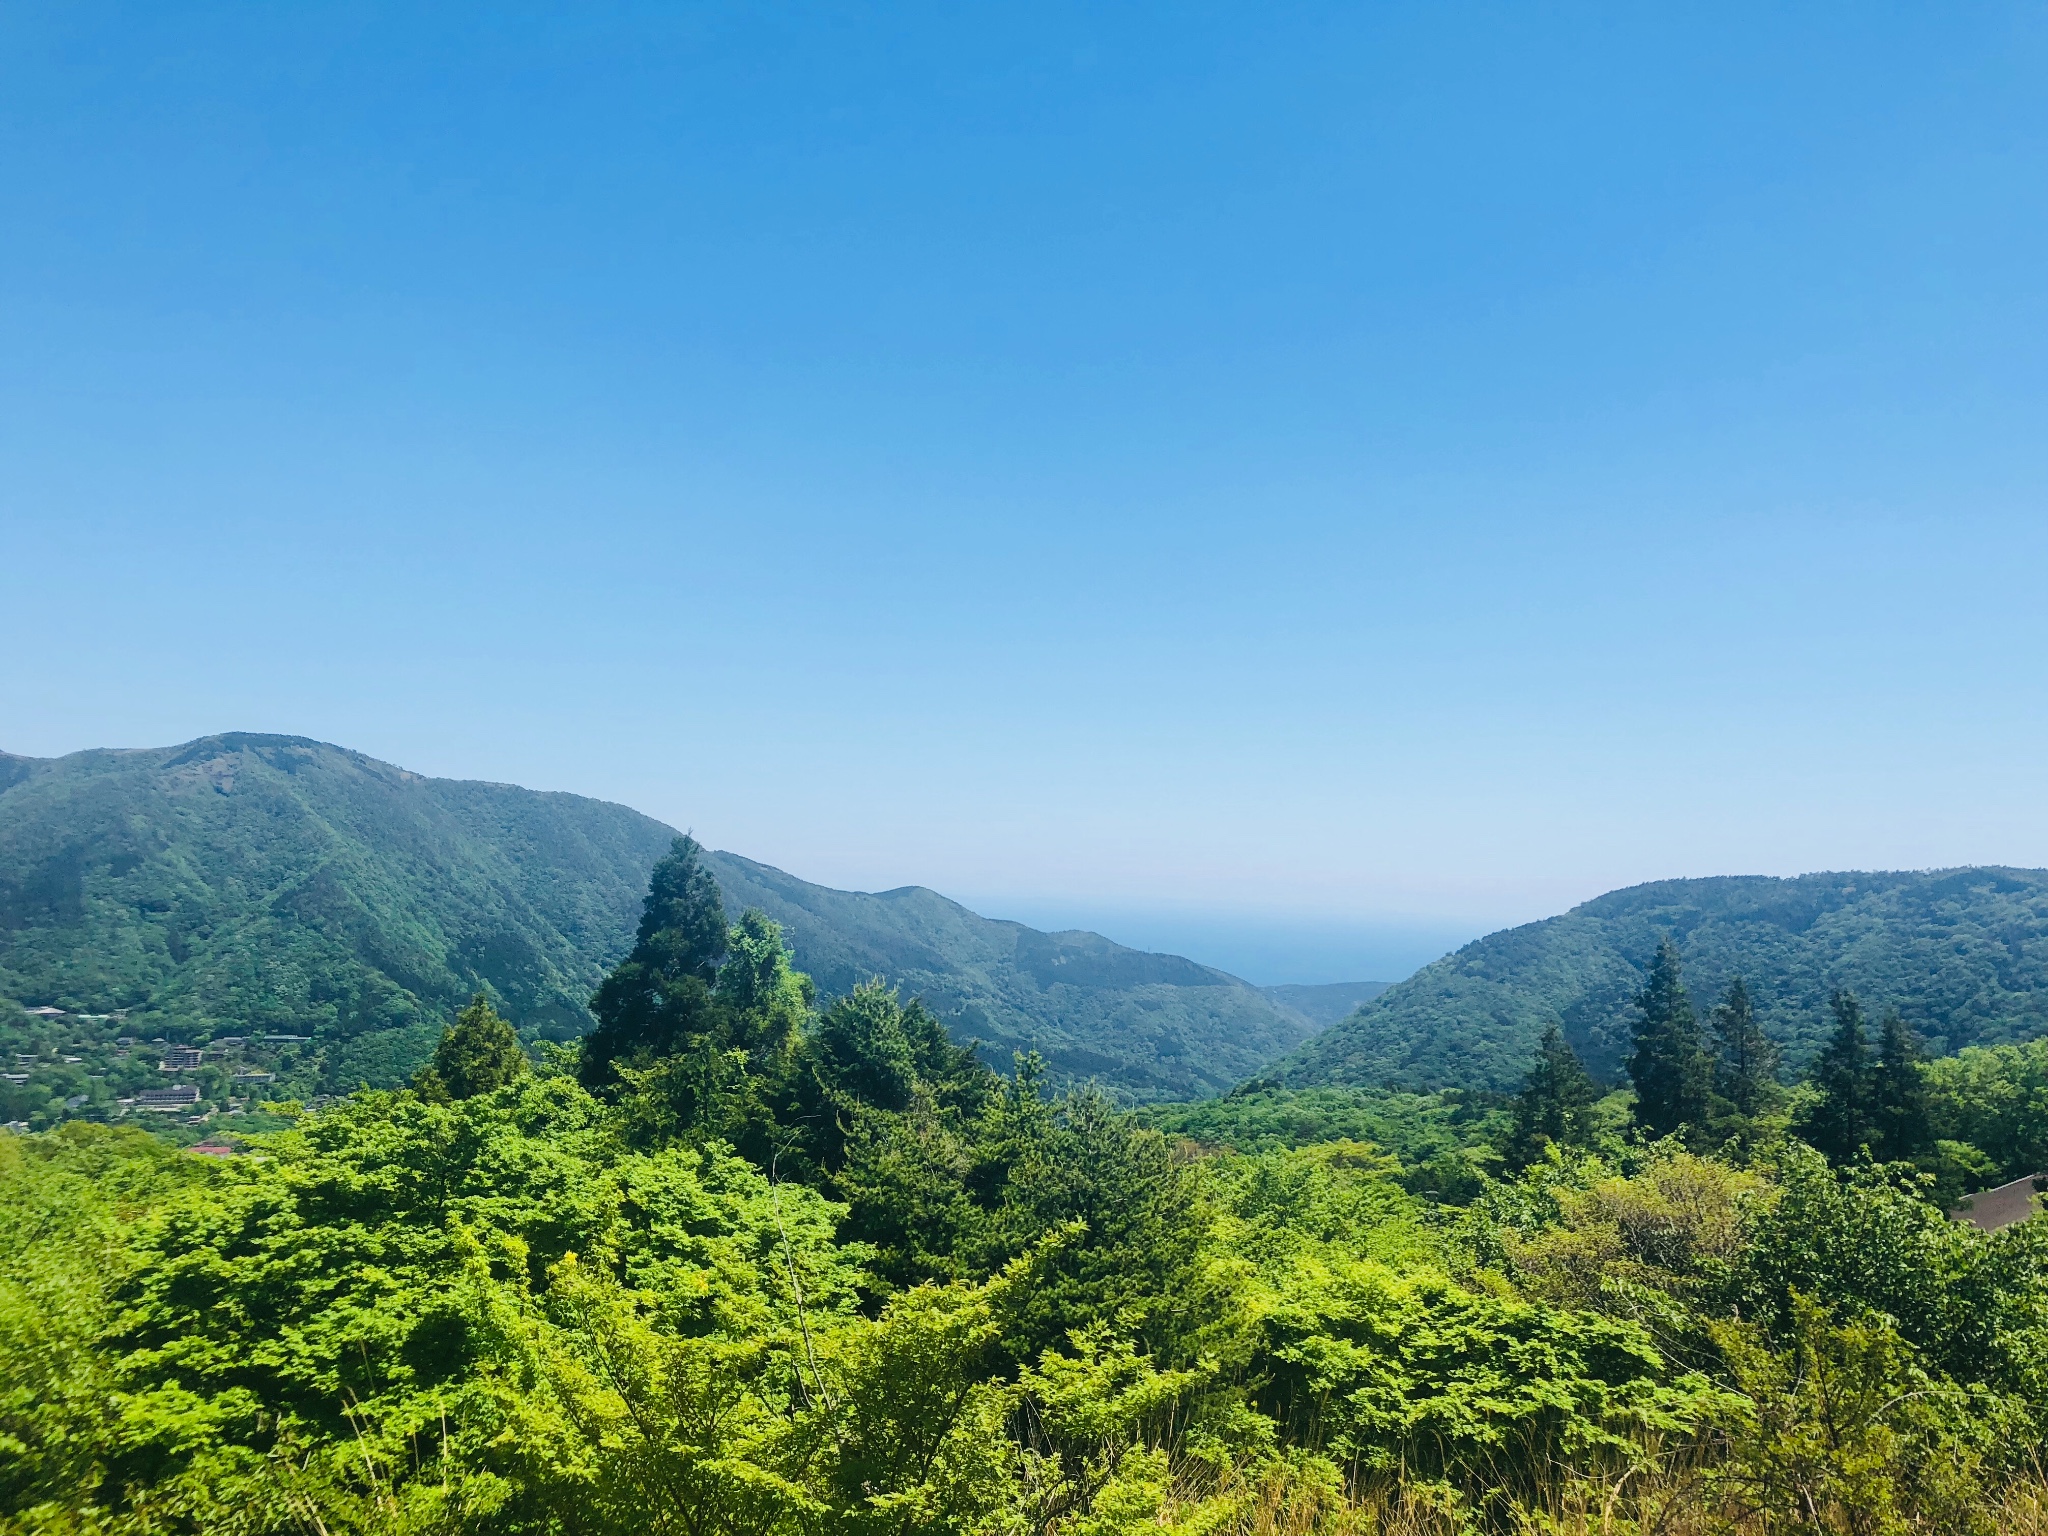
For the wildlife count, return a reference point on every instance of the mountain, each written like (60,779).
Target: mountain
(1324,1004)
(1155,1025)
(271,884)
(1962,953)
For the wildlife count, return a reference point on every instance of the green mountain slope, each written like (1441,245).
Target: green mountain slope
(1962,953)
(255,884)
(1156,1025)
(1325,1003)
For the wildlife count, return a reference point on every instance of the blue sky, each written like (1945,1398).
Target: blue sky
(1296,484)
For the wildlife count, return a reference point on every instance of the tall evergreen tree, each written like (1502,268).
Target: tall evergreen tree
(1671,1070)
(1553,1106)
(1747,1055)
(1839,1123)
(766,997)
(658,1000)
(1898,1094)
(477,1053)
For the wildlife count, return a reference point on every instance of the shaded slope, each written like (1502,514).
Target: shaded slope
(1326,1003)
(247,883)
(1962,953)
(1155,1025)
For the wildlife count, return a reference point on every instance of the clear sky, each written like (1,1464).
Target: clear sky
(1298,484)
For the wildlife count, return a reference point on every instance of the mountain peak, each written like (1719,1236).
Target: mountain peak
(247,880)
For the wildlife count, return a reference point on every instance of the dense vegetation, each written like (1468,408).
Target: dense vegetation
(1324,1004)
(1147,1026)
(740,1264)
(248,885)
(1962,954)
(1963,1123)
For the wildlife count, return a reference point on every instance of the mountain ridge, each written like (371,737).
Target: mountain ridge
(1325,1003)
(280,882)
(1961,952)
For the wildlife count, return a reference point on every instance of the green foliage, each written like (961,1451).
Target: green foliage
(1091,1426)
(1899,1122)
(1148,1027)
(875,1052)
(1671,1070)
(799,1272)
(1844,1430)
(1840,1120)
(1555,1105)
(1963,953)
(1745,1058)
(1994,1099)
(68,1201)
(1260,1116)
(1658,1246)
(250,885)
(657,1001)
(1127,1210)
(1867,1242)
(477,1054)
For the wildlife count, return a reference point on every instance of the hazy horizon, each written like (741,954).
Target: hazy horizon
(1308,946)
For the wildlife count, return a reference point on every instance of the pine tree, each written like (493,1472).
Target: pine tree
(1553,1105)
(1898,1094)
(1746,1053)
(477,1053)
(1839,1123)
(1671,1070)
(658,1000)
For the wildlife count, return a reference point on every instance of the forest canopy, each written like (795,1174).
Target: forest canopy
(1962,954)
(753,1261)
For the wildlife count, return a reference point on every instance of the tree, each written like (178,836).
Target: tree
(1994,1098)
(872,1054)
(1107,1216)
(1898,1094)
(873,1049)
(658,1000)
(1670,1069)
(1838,1123)
(767,997)
(477,1053)
(1747,1055)
(1553,1104)
(863,1052)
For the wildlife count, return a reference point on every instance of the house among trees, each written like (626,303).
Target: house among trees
(167,1100)
(2005,1205)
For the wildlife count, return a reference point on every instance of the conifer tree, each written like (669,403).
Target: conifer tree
(1553,1106)
(658,1000)
(1746,1053)
(1839,1123)
(1670,1069)
(766,997)
(1898,1094)
(477,1053)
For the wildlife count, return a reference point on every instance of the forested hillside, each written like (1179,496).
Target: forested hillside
(1325,1003)
(1961,953)
(738,1264)
(1155,1026)
(248,884)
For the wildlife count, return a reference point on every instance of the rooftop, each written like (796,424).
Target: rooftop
(2001,1207)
